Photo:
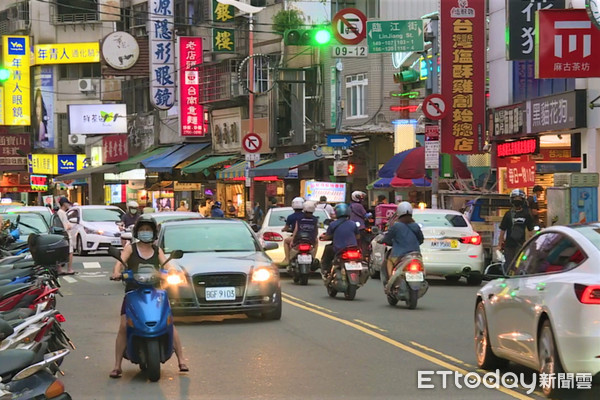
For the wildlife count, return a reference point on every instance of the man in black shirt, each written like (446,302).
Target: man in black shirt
(513,227)
(534,207)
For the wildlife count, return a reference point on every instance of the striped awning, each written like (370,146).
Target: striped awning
(237,170)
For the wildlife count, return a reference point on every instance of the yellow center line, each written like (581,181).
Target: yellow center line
(439,353)
(308,303)
(401,346)
(370,325)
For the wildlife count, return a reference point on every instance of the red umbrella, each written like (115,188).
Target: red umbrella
(410,164)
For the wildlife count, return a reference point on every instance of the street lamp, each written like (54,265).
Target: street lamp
(250,10)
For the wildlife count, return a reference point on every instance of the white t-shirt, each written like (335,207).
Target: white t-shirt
(327,208)
(62,215)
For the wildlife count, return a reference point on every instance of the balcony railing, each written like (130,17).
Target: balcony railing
(219,81)
(75,18)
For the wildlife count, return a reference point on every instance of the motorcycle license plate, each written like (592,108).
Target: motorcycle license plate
(353,266)
(414,277)
(304,259)
(220,293)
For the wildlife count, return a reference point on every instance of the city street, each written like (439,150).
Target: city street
(322,348)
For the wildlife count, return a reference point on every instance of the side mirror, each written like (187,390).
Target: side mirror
(74,220)
(126,235)
(495,271)
(255,228)
(375,230)
(115,253)
(58,230)
(270,246)
(176,255)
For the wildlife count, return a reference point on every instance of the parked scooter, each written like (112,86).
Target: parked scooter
(149,316)
(407,282)
(348,274)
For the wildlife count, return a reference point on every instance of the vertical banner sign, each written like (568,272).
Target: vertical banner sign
(567,45)
(222,12)
(223,40)
(42,122)
(333,94)
(162,54)
(191,114)
(463,51)
(17,99)
(520,17)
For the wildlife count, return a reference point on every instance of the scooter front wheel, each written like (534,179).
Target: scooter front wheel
(392,300)
(331,291)
(413,297)
(153,360)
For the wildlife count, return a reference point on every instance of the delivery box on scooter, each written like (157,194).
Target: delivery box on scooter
(48,249)
(383,213)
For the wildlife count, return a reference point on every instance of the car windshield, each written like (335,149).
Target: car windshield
(275,220)
(159,218)
(46,214)
(28,223)
(208,237)
(101,215)
(440,220)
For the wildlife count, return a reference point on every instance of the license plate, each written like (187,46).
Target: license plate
(116,241)
(444,244)
(414,277)
(353,266)
(304,259)
(220,293)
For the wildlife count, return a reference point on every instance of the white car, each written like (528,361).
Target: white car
(273,223)
(451,248)
(543,310)
(94,228)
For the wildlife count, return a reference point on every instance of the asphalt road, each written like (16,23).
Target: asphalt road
(322,348)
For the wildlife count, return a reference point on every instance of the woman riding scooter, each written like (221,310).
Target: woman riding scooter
(144,252)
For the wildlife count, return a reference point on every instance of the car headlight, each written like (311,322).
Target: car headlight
(92,231)
(175,279)
(261,275)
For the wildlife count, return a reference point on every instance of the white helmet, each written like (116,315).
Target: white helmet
(298,203)
(358,195)
(309,207)
(404,208)
(132,204)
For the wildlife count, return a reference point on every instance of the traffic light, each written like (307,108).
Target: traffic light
(318,36)
(350,169)
(406,76)
(4,74)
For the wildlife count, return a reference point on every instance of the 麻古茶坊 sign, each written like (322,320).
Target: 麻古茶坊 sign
(191,115)
(557,112)
(520,15)
(162,53)
(14,148)
(463,68)
(509,120)
(114,148)
(518,147)
(567,45)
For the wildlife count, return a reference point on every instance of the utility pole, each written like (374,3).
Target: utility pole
(435,173)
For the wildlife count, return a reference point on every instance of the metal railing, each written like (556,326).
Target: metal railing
(75,18)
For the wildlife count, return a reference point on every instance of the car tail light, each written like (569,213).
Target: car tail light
(588,294)
(476,240)
(351,255)
(414,266)
(272,237)
(304,247)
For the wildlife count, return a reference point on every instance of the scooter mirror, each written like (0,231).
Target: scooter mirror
(114,253)
(176,254)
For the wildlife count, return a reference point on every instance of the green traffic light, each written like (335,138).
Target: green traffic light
(4,74)
(323,36)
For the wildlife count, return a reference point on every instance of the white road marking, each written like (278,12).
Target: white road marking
(93,264)
(69,279)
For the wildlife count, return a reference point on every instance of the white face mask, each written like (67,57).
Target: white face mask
(145,236)
(133,210)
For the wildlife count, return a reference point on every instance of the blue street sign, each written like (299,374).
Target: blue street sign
(339,140)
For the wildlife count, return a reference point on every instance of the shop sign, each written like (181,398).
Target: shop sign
(67,53)
(17,99)
(509,120)
(222,12)
(520,17)
(335,192)
(518,147)
(520,175)
(162,53)
(10,147)
(562,155)
(186,186)
(114,148)
(38,182)
(558,112)
(96,119)
(226,130)
(463,29)
(42,122)
(567,45)
(192,121)
(56,164)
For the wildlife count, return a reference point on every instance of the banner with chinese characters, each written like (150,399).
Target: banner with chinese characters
(567,45)
(335,192)
(463,69)
(14,148)
(42,123)
(222,12)
(191,114)
(520,175)
(56,164)
(509,120)
(17,98)
(114,148)
(562,111)
(162,54)
(520,17)
(67,53)
(223,40)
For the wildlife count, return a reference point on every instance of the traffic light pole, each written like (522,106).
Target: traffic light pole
(435,173)
(251,105)
(339,67)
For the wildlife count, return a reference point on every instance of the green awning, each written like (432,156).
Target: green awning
(281,167)
(135,161)
(236,171)
(205,162)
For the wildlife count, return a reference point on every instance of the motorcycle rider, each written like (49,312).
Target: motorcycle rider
(323,205)
(513,225)
(144,251)
(290,225)
(343,233)
(129,218)
(307,228)
(215,211)
(405,237)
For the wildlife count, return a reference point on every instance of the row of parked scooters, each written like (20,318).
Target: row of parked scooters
(33,343)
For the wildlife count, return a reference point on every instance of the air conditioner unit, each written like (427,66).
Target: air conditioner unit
(77,140)
(17,25)
(86,85)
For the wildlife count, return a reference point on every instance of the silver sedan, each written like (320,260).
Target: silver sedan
(543,311)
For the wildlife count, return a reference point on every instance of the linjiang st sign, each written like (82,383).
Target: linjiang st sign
(557,112)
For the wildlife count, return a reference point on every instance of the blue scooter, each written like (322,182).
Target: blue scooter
(149,317)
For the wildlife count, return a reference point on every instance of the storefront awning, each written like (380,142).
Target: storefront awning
(135,161)
(87,172)
(178,153)
(204,163)
(281,167)
(236,171)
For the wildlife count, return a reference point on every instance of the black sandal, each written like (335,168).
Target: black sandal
(183,368)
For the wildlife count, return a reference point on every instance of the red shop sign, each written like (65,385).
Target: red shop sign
(520,175)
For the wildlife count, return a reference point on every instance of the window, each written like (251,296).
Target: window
(79,71)
(356,96)
(140,14)
(76,11)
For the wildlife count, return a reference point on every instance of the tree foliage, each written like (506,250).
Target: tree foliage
(287,19)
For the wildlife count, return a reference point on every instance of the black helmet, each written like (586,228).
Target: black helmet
(537,188)
(145,221)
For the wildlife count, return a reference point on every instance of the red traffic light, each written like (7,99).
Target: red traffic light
(350,169)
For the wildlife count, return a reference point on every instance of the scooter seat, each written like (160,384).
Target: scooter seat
(13,361)
(22,264)
(10,260)
(7,291)
(16,314)
(15,273)
(5,281)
